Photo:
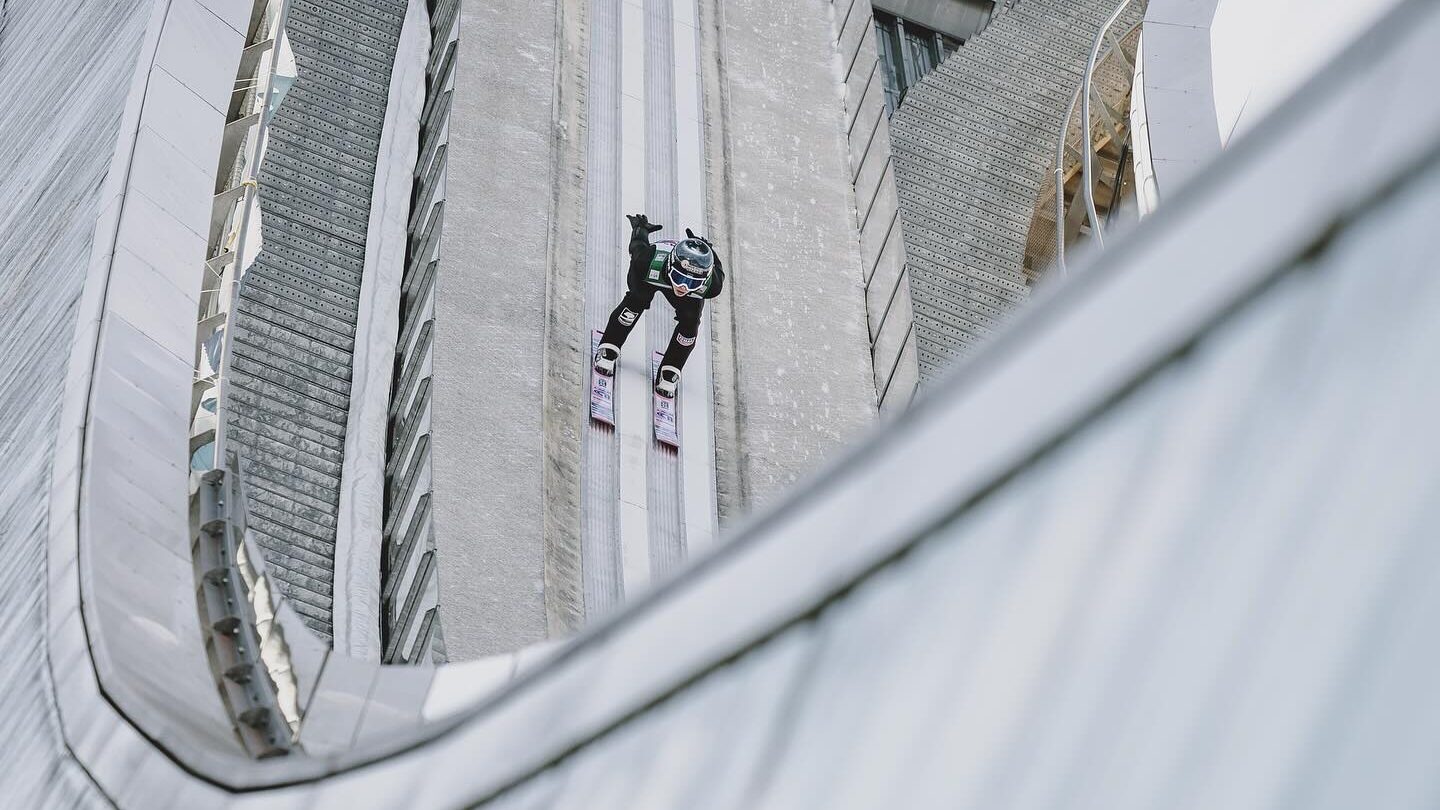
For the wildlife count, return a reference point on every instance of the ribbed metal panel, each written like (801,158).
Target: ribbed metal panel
(604,277)
(665,486)
(972,145)
(295,323)
(66,67)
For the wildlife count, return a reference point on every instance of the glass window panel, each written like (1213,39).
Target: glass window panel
(891,65)
(908,52)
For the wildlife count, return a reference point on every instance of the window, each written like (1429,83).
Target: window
(908,52)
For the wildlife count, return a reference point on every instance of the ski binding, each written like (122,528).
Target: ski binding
(667,414)
(602,388)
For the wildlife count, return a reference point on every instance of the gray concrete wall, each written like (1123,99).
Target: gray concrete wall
(793,371)
(490,330)
(567,343)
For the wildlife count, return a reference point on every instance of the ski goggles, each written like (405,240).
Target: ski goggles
(679,279)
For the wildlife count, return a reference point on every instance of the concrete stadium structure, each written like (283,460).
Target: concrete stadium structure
(301,506)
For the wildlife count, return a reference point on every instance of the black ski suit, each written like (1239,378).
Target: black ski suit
(639,293)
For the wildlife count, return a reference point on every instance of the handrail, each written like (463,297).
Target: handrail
(1060,184)
(251,185)
(235,599)
(1088,155)
(1084,92)
(238,605)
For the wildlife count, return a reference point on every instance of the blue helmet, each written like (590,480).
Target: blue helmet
(691,261)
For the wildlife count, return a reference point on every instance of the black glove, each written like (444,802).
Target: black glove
(692,235)
(640,222)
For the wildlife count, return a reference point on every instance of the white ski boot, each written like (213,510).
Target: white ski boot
(605,359)
(667,381)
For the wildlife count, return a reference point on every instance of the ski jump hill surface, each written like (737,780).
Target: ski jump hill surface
(1168,541)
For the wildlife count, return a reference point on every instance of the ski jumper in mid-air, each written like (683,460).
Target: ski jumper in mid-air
(687,272)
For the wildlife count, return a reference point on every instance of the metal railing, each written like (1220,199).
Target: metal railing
(1105,45)
(233,223)
(237,602)
(246,642)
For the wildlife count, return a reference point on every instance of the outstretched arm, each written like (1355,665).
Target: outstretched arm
(640,230)
(641,251)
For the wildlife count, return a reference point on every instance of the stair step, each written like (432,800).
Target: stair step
(289,497)
(339,256)
(307,168)
(260,310)
(313,441)
(996,205)
(301,569)
(323,308)
(258,397)
(248,326)
(366,49)
(341,149)
(299,287)
(320,326)
(306,196)
(285,468)
(337,106)
(336,279)
(322,121)
(329,67)
(371,112)
(262,370)
(326,223)
(373,14)
(268,351)
(327,464)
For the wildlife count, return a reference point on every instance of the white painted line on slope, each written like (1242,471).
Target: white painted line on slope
(697,436)
(633,379)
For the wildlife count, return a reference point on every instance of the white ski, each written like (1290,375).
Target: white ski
(667,413)
(602,388)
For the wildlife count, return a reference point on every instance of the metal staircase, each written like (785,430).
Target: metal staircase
(1090,180)
(973,146)
(295,320)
